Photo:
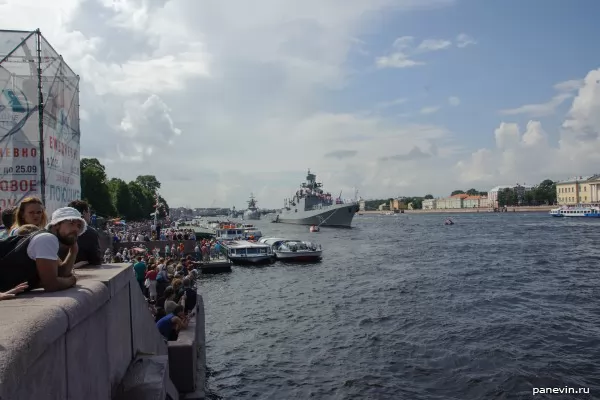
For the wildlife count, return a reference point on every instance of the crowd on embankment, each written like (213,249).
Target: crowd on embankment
(43,253)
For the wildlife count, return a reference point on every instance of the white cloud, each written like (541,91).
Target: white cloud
(186,89)
(434,45)
(539,110)
(429,110)
(404,50)
(464,40)
(397,60)
(569,86)
(529,156)
(454,101)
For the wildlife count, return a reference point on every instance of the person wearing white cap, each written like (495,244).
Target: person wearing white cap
(35,258)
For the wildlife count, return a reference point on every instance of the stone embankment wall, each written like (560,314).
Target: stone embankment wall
(78,343)
(465,210)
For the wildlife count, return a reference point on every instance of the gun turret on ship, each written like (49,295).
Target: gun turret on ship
(311,205)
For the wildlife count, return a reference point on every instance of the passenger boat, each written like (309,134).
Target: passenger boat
(576,211)
(245,252)
(293,249)
(230,232)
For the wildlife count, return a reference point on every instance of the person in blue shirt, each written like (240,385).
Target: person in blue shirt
(140,272)
(170,325)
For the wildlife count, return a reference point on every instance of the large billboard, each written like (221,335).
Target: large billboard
(33,74)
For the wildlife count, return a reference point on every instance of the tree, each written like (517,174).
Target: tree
(545,192)
(142,201)
(428,197)
(94,187)
(457,192)
(121,196)
(148,182)
(163,211)
(473,192)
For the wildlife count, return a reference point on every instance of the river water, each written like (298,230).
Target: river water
(403,307)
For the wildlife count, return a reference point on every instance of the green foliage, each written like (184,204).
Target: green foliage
(94,187)
(542,194)
(428,197)
(115,197)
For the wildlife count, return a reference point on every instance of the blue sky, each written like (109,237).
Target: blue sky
(523,48)
(220,98)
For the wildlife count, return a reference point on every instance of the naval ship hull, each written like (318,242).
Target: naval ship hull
(251,215)
(336,216)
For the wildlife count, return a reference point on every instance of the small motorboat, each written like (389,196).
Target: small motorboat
(448,222)
(246,252)
(293,249)
(314,228)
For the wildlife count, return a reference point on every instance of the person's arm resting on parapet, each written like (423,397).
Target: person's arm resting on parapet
(65,227)
(44,250)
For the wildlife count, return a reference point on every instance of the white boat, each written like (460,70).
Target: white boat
(293,249)
(230,232)
(576,211)
(245,252)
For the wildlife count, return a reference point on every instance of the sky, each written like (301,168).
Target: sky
(223,98)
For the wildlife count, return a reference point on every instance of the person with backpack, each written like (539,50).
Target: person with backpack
(34,258)
(88,243)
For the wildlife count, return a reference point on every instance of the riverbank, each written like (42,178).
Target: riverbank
(464,210)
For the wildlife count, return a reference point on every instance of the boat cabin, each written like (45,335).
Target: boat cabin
(230,233)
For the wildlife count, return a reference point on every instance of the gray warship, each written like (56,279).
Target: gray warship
(252,213)
(312,206)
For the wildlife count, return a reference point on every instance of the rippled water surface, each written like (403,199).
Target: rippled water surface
(403,307)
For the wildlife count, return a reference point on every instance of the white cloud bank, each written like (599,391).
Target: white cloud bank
(220,98)
(528,156)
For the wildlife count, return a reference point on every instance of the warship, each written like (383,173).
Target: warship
(312,206)
(252,211)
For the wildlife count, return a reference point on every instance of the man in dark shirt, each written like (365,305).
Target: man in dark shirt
(88,242)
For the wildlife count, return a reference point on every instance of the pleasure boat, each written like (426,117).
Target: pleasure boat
(293,249)
(230,232)
(576,211)
(245,252)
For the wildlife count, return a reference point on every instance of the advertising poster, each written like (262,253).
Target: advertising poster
(61,140)
(20,154)
(19,133)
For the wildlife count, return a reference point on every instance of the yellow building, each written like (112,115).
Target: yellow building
(576,190)
(396,204)
(594,183)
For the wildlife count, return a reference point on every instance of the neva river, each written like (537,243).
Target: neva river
(403,307)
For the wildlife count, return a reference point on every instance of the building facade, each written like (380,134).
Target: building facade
(429,204)
(492,197)
(577,190)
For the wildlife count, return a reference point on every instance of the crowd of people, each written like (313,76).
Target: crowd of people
(37,253)
(41,253)
(146,231)
(170,288)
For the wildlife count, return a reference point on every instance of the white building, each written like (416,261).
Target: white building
(429,204)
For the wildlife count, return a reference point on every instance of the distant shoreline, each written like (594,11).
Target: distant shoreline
(465,210)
